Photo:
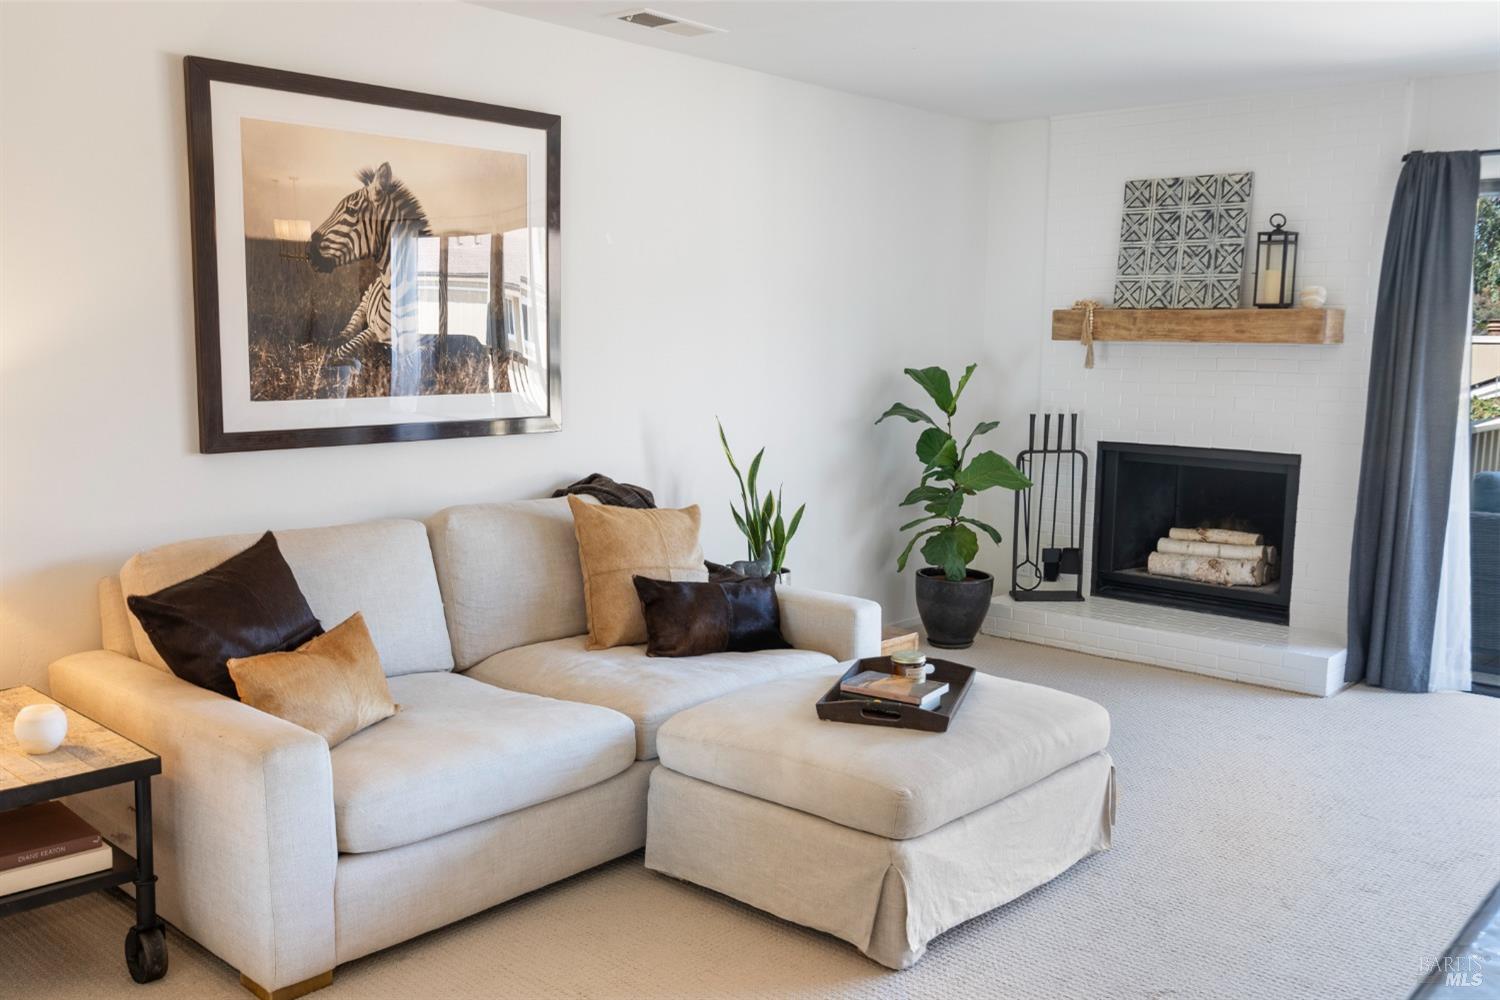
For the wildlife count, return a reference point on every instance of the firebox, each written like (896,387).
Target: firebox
(1209,495)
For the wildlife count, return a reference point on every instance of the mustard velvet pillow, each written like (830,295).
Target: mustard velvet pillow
(617,544)
(333,684)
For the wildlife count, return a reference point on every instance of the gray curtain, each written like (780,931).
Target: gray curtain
(1406,475)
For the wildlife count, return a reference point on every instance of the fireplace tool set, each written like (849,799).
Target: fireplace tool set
(1038,558)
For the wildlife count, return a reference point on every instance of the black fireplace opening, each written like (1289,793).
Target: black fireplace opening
(1146,490)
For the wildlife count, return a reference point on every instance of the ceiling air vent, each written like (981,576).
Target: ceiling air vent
(655,19)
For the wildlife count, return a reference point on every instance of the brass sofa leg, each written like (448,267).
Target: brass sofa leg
(291,992)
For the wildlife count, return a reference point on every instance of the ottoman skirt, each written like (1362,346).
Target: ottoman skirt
(888,898)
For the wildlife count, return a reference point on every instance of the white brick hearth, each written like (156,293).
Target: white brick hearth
(1230,648)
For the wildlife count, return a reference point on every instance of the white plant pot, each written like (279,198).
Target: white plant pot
(41,728)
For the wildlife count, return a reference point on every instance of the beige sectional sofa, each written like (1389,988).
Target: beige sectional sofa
(518,757)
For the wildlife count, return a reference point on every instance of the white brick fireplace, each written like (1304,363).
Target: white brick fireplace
(1328,160)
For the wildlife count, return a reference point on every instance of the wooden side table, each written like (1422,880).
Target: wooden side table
(90,757)
(895,639)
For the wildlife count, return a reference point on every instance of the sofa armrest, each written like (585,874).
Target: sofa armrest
(242,814)
(845,628)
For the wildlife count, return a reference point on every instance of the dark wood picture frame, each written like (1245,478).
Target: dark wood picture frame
(199,73)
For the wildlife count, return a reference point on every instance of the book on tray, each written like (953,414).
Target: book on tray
(890,687)
(45,843)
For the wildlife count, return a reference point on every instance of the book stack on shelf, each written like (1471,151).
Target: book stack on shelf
(46,843)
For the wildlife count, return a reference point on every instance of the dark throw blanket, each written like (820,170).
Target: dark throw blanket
(607,491)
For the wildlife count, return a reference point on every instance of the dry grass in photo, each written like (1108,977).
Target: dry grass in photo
(283,371)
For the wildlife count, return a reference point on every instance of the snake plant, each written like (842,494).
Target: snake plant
(761,521)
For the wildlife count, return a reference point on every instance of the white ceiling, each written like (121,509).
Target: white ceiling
(1000,61)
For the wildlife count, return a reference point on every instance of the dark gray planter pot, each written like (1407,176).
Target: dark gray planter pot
(753,569)
(952,612)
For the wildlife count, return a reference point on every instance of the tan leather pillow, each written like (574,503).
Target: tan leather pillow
(332,684)
(616,544)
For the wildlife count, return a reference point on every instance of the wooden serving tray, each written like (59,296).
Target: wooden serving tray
(835,706)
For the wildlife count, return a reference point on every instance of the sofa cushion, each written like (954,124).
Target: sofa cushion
(382,569)
(332,685)
(690,619)
(460,752)
(768,742)
(616,544)
(509,575)
(248,604)
(650,690)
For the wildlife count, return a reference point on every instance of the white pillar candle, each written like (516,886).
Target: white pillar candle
(1270,288)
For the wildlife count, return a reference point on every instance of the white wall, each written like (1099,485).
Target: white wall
(734,244)
(1456,112)
(1326,158)
(1015,302)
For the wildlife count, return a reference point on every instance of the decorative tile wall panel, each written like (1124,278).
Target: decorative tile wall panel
(1182,242)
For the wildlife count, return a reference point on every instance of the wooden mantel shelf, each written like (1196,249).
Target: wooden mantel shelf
(1206,326)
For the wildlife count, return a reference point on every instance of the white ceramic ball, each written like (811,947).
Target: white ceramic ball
(41,728)
(1313,296)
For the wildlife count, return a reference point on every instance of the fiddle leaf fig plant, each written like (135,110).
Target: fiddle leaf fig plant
(949,477)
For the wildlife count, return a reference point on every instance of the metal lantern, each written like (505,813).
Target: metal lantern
(1275,265)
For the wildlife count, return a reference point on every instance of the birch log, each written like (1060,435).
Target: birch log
(1173,546)
(1223,536)
(1209,569)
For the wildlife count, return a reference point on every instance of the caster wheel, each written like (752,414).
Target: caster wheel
(146,953)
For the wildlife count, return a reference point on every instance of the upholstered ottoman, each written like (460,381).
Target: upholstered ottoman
(883,837)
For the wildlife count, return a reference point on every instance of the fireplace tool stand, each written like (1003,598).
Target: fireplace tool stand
(1037,557)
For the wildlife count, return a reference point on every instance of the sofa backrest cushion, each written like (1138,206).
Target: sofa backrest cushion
(382,569)
(114,618)
(509,574)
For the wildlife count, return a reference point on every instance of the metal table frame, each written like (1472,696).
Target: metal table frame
(145,943)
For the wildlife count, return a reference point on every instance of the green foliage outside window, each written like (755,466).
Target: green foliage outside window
(1487,264)
(1486,289)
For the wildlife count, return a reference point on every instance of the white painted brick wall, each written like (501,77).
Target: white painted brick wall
(1327,159)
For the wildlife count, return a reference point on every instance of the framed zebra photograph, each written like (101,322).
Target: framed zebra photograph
(369,264)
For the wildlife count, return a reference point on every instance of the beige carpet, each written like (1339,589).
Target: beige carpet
(1268,845)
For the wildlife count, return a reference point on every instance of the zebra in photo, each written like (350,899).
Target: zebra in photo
(378,221)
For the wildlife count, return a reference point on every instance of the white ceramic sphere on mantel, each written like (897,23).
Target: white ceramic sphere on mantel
(40,729)
(1313,297)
